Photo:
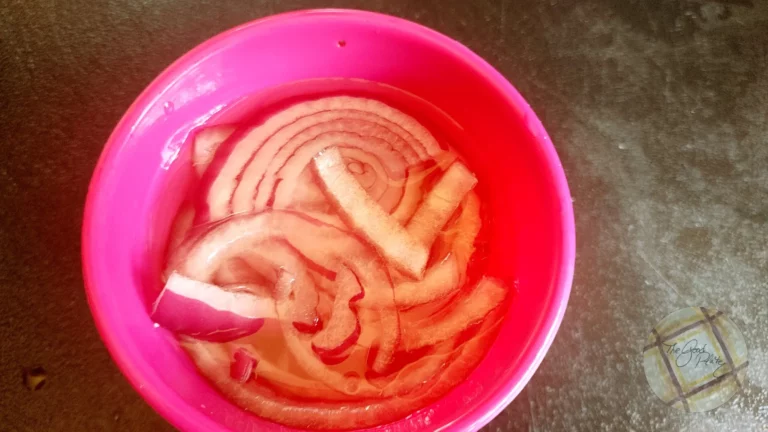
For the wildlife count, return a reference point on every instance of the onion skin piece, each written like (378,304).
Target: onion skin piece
(364,214)
(207,141)
(487,294)
(440,203)
(208,312)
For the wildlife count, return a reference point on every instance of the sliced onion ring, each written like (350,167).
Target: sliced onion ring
(389,238)
(485,297)
(440,281)
(225,180)
(343,328)
(295,154)
(389,159)
(335,415)
(241,368)
(207,141)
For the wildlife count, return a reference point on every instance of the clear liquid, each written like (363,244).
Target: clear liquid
(285,378)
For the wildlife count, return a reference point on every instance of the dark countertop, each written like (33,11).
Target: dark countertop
(658,108)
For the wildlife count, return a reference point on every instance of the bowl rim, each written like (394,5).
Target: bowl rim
(483,412)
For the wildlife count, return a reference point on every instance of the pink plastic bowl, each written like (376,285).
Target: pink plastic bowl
(131,200)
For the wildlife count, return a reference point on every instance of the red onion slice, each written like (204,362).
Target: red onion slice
(389,238)
(440,281)
(413,191)
(304,298)
(343,328)
(239,271)
(241,368)
(485,297)
(303,156)
(208,312)
(370,173)
(276,149)
(375,138)
(302,351)
(324,245)
(226,179)
(181,227)
(459,239)
(334,415)
(308,196)
(440,203)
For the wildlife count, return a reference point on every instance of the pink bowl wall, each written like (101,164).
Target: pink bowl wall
(132,199)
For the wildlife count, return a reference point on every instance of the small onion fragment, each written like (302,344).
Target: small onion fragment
(241,368)
(208,312)
(318,279)
(207,141)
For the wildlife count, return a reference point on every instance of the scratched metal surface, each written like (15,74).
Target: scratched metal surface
(657,107)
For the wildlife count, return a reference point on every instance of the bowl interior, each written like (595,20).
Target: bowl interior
(132,199)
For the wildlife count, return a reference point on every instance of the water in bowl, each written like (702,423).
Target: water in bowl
(326,269)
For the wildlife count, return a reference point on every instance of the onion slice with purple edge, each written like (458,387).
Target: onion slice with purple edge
(209,312)
(299,347)
(225,180)
(241,368)
(343,328)
(321,244)
(388,236)
(440,281)
(369,137)
(335,415)
(440,203)
(207,141)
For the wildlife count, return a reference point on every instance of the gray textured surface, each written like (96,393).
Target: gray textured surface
(658,109)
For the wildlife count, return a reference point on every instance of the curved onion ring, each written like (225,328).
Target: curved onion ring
(224,181)
(362,340)
(329,414)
